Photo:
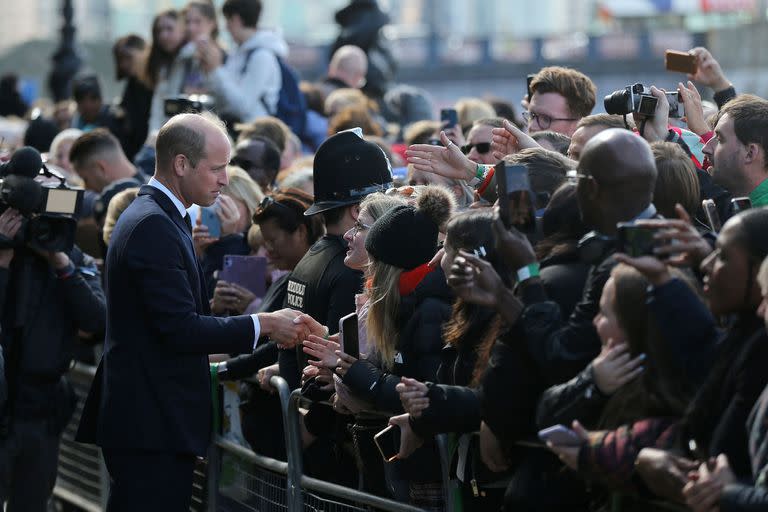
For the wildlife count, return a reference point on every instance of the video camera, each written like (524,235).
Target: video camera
(637,99)
(184,103)
(50,210)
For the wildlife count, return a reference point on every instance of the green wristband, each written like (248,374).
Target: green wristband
(527,272)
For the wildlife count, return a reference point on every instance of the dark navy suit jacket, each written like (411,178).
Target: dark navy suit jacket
(152,388)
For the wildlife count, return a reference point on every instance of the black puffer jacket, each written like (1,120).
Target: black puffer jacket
(422,314)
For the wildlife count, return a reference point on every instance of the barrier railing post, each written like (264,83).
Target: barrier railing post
(445,470)
(293,444)
(213,475)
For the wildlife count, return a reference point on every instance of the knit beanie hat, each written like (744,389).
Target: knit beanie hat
(406,236)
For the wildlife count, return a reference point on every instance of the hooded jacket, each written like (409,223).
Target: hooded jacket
(248,85)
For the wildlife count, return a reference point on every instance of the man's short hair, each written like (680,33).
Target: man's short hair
(268,127)
(750,120)
(576,87)
(547,169)
(248,10)
(178,138)
(96,142)
(559,141)
(606,120)
(493,122)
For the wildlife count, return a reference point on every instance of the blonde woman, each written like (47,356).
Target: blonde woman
(409,302)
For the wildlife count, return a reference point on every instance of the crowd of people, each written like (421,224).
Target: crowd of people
(590,336)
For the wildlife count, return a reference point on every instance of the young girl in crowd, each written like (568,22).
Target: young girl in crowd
(183,75)
(167,39)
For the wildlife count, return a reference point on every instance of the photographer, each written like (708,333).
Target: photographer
(45,298)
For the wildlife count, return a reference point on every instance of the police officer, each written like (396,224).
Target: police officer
(346,169)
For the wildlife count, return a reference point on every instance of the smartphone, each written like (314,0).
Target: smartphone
(449,117)
(250,272)
(528,81)
(388,441)
(349,340)
(682,62)
(740,204)
(713,218)
(209,215)
(560,435)
(676,106)
(634,240)
(516,200)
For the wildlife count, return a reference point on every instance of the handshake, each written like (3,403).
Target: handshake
(288,327)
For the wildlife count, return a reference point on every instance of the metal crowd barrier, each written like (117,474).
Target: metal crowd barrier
(234,478)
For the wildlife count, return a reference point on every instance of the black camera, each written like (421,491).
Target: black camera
(637,99)
(50,209)
(184,103)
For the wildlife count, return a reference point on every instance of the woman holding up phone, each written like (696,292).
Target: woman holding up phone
(409,302)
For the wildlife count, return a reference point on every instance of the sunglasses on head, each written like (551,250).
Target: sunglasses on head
(481,147)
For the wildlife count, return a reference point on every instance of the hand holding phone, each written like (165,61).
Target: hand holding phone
(349,335)
(210,217)
(516,201)
(560,435)
(713,218)
(449,117)
(682,62)
(741,204)
(388,442)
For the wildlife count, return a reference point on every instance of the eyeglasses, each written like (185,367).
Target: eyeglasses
(266,203)
(574,177)
(543,120)
(359,226)
(481,147)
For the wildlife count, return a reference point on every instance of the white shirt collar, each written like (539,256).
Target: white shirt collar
(178,204)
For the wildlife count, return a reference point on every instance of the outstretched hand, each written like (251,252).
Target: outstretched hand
(324,351)
(446,160)
(510,139)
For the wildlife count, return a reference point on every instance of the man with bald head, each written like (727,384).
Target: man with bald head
(617,175)
(347,69)
(150,404)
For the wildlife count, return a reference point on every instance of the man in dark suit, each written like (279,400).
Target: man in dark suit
(150,404)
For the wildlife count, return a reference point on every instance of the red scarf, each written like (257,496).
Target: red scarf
(410,279)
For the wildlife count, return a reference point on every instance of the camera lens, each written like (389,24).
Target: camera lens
(617,103)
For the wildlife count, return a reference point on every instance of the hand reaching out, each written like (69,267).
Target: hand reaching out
(324,351)
(228,214)
(708,70)
(475,280)
(510,139)
(679,241)
(694,111)
(446,160)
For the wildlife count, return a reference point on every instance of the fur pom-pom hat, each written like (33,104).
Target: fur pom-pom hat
(406,236)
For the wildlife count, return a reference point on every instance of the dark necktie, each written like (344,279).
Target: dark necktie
(188,222)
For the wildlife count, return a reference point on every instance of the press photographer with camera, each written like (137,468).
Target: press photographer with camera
(49,290)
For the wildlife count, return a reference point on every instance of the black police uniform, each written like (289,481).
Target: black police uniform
(323,287)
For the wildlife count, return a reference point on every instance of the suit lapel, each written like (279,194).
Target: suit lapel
(195,273)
